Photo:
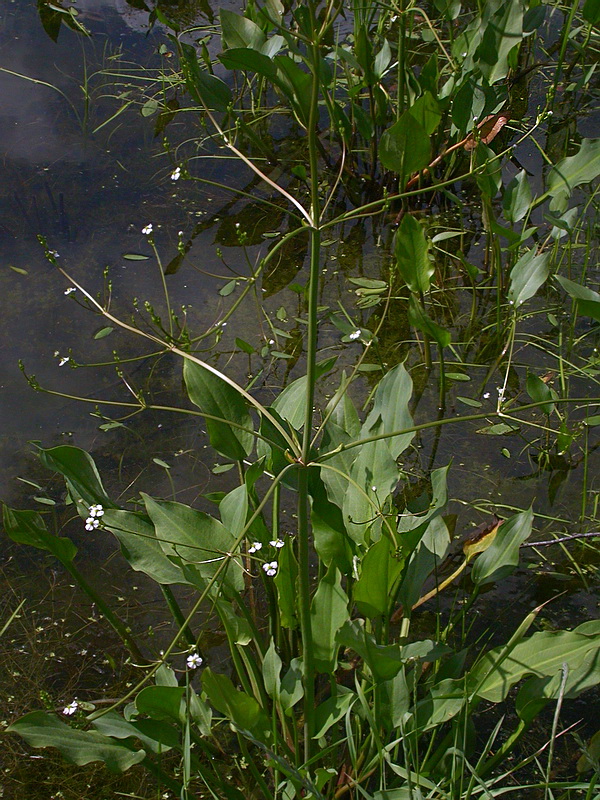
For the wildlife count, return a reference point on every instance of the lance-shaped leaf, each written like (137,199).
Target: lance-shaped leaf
(527,275)
(411,249)
(80,473)
(140,546)
(405,148)
(40,729)
(517,197)
(539,390)
(573,171)
(195,538)
(238,31)
(380,570)
(239,707)
(587,300)
(290,404)
(28,527)
(156,736)
(502,556)
(541,655)
(217,397)
(329,611)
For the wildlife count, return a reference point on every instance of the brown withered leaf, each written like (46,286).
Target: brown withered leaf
(487,130)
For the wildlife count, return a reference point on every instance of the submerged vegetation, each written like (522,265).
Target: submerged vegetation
(444,138)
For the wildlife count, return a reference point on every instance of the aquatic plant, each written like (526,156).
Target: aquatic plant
(332,689)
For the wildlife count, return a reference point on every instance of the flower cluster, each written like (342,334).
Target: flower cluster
(93,520)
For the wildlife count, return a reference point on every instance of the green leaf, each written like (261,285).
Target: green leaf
(502,556)
(135,257)
(245,58)
(290,404)
(527,275)
(587,300)
(162,703)
(329,611)
(517,197)
(228,288)
(384,661)
(285,583)
(271,671)
(40,729)
(194,537)
(411,249)
(205,88)
(426,110)
(538,391)
(380,570)
(332,542)
(489,171)
(238,707)
(234,510)
(502,33)
(238,31)
(28,527)
(103,332)
(573,171)
(292,689)
(80,473)
(429,554)
(542,655)
(405,148)
(157,736)
(215,396)
(390,410)
(332,710)
(140,546)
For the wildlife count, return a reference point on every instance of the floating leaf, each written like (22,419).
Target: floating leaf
(104,332)
(135,257)
(20,270)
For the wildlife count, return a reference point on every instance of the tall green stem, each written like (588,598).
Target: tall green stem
(311,357)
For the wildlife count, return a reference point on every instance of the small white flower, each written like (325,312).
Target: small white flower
(270,568)
(373,488)
(96,511)
(147,230)
(194,661)
(255,546)
(70,290)
(71,708)
(355,335)
(56,354)
(271,341)
(54,253)
(63,361)
(176,174)
(500,391)
(277,543)
(91,523)
(486,395)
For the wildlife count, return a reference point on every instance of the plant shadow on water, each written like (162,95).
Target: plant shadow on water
(383,294)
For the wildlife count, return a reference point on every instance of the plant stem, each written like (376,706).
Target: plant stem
(311,357)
